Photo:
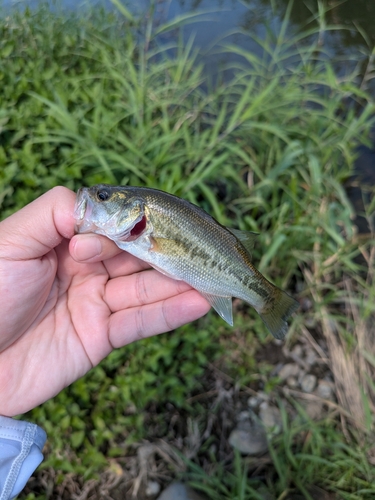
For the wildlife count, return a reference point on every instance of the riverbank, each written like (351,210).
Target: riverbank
(90,100)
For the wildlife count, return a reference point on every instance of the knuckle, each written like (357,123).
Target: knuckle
(140,324)
(165,316)
(141,289)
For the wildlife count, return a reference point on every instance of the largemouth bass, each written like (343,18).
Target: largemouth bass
(183,242)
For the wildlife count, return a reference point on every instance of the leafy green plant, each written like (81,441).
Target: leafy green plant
(268,148)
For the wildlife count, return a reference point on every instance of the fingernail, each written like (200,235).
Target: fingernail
(87,246)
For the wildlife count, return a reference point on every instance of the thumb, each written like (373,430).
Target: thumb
(40,226)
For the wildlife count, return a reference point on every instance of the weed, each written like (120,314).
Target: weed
(88,100)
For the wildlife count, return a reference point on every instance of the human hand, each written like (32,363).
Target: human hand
(64,305)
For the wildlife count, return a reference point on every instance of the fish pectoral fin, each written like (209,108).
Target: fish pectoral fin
(161,245)
(222,305)
(247,238)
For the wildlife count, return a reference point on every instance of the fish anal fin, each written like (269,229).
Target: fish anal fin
(275,317)
(247,238)
(222,305)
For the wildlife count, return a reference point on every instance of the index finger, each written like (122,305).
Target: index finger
(90,248)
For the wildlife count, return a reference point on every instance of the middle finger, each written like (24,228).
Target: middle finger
(141,288)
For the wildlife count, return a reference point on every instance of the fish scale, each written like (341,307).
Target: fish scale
(184,242)
(198,260)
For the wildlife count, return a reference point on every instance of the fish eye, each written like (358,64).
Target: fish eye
(102,195)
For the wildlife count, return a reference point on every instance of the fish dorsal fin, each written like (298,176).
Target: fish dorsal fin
(247,238)
(222,305)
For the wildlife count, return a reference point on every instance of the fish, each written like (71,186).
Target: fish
(184,242)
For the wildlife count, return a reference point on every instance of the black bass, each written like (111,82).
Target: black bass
(183,242)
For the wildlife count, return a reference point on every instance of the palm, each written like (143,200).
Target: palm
(80,312)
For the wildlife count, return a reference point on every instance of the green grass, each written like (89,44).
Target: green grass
(268,149)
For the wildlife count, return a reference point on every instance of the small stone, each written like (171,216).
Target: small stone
(253,402)
(152,488)
(250,442)
(275,370)
(292,382)
(308,383)
(310,357)
(297,351)
(314,409)
(270,417)
(263,396)
(179,491)
(324,389)
(131,409)
(306,304)
(243,415)
(289,370)
(300,377)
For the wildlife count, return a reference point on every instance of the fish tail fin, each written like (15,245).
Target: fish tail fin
(275,316)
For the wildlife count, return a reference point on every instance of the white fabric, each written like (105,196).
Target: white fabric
(21,445)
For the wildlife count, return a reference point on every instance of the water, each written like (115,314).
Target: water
(355,17)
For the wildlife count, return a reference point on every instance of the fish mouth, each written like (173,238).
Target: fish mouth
(82,212)
(80,205)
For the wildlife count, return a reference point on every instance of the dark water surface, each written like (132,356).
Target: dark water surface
(357,17)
